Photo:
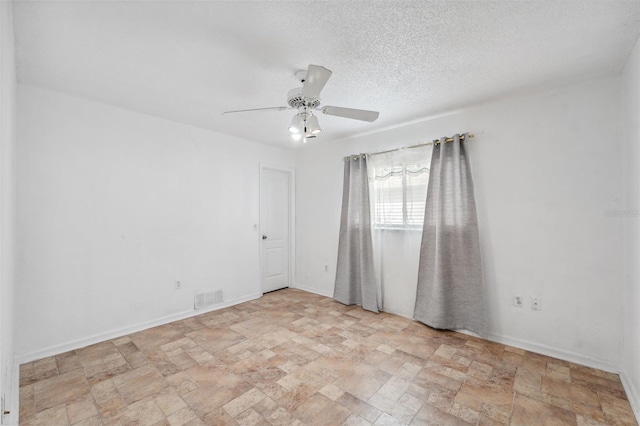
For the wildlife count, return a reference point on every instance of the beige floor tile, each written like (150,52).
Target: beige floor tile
(320,410)
(529,411)
(182,382)
(359,407)
(430,415)
(394,388)
(381,402)
(91,421)
(402,413)
(266,406)
(489,393)
(593,372)
(355,420)
(169,401)
(26,374)
(82,408)
(488,421)
(52,416)
(331,391)
(204,373)
(213,395)
(58,389)
(97,352)
(27,402)
(108,400)
(282,417)
(249,417)
(586,421)
(498,414)
(293,399)
(411,402)
(432,380)
(598,383)
(560,372)
(616,410)
(388,420)
(45,368)
(407,371)
(383,361)
(153,338)
(244,402)
(464,413)
(445,400)
(141,413)
(68,361)
(218,417)
(182,417)
(529,378)
(140,383)
(362,381)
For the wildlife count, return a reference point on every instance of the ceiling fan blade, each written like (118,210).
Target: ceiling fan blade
(314,81)
(280,108)
(356,114)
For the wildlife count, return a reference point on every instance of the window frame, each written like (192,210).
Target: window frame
(404,226)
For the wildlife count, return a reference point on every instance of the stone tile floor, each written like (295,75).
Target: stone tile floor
(294,358)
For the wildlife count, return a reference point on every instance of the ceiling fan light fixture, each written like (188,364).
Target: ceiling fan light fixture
(294,127)
(313,126)
(306,100)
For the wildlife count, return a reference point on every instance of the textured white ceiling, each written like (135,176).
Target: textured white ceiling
(189,61)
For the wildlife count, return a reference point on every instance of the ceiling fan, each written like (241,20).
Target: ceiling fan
(306,100)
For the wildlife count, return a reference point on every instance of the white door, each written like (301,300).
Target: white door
(275,206)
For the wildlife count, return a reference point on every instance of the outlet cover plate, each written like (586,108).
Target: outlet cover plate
(517,301)
(536,303)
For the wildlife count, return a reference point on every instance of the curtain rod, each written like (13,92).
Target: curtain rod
(433,142)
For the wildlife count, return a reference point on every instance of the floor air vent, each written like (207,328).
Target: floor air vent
(202,300)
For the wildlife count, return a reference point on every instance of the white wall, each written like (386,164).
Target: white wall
(545,171)
(7,207)
(631,165)
(113,206)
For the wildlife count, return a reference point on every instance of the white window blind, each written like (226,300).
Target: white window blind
(399,195)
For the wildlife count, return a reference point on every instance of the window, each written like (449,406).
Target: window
(399,195)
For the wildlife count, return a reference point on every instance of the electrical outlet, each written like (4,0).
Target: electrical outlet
(536,303)
(178,285)
(517,301)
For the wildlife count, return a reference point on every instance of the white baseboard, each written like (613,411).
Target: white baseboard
(12,396)
(314,290)
(112,334)
(14,417)
(632,395)
(555,353)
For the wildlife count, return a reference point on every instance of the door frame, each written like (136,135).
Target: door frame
(292,204)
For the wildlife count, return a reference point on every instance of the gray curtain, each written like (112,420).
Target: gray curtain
(450,292)
(355,274)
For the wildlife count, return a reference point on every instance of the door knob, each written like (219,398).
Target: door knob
(264,237)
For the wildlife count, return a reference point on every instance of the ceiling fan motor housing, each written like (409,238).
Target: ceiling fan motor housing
(296,100)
